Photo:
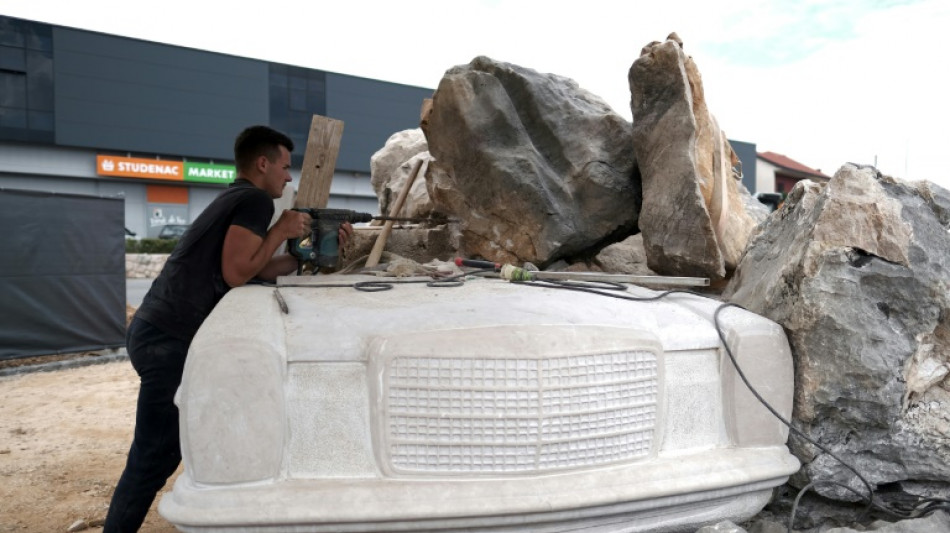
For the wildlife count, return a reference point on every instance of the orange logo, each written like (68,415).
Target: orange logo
(133,167)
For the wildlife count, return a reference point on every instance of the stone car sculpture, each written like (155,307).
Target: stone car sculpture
(490,406)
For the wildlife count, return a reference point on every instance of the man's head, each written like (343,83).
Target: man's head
(262,156)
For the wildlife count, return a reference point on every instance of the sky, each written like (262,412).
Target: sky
(822,82)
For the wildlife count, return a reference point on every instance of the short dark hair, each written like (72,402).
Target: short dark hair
(256,141)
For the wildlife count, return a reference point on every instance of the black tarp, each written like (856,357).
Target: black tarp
(62,273)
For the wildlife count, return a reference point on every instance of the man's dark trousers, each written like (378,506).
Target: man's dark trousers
(155,454)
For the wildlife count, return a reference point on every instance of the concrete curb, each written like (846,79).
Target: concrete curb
(65,364)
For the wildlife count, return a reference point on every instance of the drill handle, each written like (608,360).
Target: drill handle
(477,263)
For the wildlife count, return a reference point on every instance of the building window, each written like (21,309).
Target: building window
(12,118)
(26,80)
(296,94)
(13,89)
(12,59)
(39,80)
(40,120)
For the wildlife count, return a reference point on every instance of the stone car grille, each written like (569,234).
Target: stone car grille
(472,415)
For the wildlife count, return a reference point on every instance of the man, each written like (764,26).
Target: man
(225,247)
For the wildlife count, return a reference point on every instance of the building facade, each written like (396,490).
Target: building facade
(778,174)
(90,113)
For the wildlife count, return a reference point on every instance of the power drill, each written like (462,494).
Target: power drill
(322,247)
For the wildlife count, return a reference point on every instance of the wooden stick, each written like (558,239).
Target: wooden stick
(377,251)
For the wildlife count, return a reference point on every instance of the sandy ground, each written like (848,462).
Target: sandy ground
(64,436)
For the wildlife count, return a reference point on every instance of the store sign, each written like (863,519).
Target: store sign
(208,173)
(132,167)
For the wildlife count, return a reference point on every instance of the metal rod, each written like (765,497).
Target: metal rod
(623,278)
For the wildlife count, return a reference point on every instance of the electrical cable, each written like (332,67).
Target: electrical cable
(381,285)
(373,286)
(791,519)
(869,497)
(598,288)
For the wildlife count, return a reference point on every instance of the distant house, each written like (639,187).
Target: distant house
(776,173)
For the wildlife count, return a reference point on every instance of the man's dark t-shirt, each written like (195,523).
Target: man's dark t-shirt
(191,282)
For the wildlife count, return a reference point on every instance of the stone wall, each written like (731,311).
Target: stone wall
(144,265)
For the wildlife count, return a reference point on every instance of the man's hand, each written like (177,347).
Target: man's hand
(292,224)
(346,231)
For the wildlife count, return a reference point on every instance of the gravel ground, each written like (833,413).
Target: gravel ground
(64,436)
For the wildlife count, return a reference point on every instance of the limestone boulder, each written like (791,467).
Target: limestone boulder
(722,527)
(624,257)
(694,219)
(535,168)
(857,272)
(938,522)
(391,167)
(417,242)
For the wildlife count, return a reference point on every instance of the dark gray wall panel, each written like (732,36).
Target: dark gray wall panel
(62,277)
(371,111)
(123,94)
(746,153)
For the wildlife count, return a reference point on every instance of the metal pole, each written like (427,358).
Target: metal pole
(622,278)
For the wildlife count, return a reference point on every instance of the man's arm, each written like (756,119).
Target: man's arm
(245,254)
(280,265)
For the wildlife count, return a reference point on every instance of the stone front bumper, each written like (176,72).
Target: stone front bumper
(488,406)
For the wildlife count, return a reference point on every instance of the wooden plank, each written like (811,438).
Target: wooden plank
(380,244)
(319,162)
